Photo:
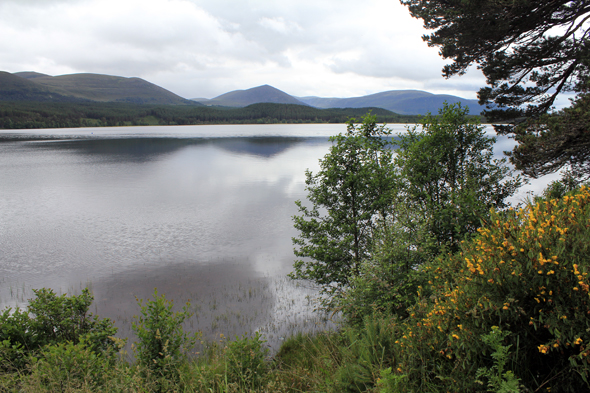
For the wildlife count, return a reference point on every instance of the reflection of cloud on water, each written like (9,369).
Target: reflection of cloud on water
(288,169)
(196,201)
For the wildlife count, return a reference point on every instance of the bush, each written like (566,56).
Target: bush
(446,172)
(526,273)
(68,364)
(387,282)
(162,344)
(50,319)
(370,350)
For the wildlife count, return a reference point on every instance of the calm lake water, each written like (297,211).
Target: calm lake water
(198,212)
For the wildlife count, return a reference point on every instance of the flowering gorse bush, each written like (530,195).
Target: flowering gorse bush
(526,273)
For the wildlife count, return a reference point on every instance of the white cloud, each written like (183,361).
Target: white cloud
(203,48)
(280,26)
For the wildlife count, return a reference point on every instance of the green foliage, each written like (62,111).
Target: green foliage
(530,52)
(162,341)
(387,282)
(351,191)
(557,189)
(246,361)
(555,141)
(371,349)
(50,319)
(73,364)
(448,173)
(446,181)
(391,382)
(310,363)
(498,380)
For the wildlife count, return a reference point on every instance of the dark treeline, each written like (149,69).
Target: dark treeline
(19,115)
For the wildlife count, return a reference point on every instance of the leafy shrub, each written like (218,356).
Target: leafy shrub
(387,282)
(162,341)
(447,172)
(498,380)
(526,273)
(50,319)
(68,364)
(347,195)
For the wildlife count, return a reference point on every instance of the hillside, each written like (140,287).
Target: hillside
(15,88)
(34,86)
(255,95)
(104,88)
(407,102)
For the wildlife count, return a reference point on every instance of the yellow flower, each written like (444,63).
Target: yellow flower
(578,341)
(543,348)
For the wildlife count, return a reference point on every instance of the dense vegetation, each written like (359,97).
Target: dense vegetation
(30,114)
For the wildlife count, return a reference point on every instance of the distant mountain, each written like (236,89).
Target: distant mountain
(255,95)
(34,86)
(405,102)
(30,74)
(15,88)
(104,88)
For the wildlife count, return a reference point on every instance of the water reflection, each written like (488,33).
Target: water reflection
(148,149)
(206,219)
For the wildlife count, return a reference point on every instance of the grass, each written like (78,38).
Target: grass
(304,363)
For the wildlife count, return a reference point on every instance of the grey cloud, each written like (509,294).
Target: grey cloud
(208,47)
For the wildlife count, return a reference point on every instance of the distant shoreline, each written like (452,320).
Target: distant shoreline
(36,115)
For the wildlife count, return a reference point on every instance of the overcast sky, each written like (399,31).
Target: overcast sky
(204,48)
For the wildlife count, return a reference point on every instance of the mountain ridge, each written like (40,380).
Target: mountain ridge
(404,102)
(254,95)
(34,86)
(86,86)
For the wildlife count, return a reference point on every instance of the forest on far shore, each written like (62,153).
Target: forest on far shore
(30,114)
